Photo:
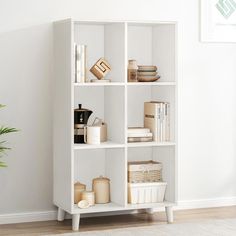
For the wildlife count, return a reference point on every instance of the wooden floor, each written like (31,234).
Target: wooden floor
(113,222)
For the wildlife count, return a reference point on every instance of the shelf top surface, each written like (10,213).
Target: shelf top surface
(151,144)
(123,84)
(115,207)
(107,144)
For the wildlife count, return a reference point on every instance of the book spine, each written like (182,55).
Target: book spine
(75,60)
(167,120)
(164,123)
(158,117)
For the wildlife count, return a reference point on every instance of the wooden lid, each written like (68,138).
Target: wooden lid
(79,185)
(101,179)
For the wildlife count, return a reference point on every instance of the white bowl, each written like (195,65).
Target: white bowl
(83,204)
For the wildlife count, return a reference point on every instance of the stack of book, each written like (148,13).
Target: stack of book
(139,134)
(147,74)
(157,119)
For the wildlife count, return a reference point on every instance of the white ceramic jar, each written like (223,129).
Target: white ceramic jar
(88,196)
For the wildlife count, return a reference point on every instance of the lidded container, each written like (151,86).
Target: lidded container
(89,197)
(132,71)
(78,189)
(101,188)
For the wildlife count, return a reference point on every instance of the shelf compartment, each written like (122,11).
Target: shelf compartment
(163,154)
(103,40)
(107,144)
(90,164)
(151,144)
(138,95)
(107,103)
(153,44)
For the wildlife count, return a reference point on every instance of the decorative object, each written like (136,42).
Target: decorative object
(80,63)
(139,193)
(100,68)
(89,197)
(103,128)
(147,74)
(83,204)
(101,187)
(144,171)
(157,119)
(92,134)
(81,116)
(132,71)
(218,20)
(78,189)
(4,130)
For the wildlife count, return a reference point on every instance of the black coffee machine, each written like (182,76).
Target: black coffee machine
(81,116)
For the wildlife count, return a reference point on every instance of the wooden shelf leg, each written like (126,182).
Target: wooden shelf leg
(75,222)
(60,214)
(169,214)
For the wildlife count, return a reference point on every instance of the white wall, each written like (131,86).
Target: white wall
(207,164)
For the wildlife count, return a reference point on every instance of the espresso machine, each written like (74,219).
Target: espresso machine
(81,116)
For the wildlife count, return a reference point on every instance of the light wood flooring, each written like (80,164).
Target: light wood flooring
(114,222)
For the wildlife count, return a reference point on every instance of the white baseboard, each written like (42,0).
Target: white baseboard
(52,215)
(206,203)
(27,217)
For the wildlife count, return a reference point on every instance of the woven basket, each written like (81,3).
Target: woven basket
(144,171)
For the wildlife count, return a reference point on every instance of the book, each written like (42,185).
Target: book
(140,139)
(138,130)
(140,135)
(157,119)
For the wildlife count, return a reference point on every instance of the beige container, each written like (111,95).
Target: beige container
(88,196)
(132,71)
(101,188)
(78,189)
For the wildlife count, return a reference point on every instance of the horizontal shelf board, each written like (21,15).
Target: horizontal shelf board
(150,144)
(98,84)
(115,207)
(99,208)
(151,83)
(149,205)
(108,144)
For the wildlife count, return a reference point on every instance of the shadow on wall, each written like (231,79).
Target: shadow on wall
(26,71)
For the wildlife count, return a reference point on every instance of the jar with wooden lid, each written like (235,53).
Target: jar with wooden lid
(132,71)
(78,189)
(88,196)
(101,188)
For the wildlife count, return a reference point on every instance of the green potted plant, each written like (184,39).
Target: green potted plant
(3,149)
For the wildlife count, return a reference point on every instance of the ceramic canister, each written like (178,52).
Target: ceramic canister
(88,196)
(78,189)
(92,134)
(101,188)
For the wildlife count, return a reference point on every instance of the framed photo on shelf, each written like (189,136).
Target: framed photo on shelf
(218,21)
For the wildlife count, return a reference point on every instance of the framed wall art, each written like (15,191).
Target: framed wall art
(218,21)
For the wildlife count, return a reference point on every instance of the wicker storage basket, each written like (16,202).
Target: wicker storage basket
(146,192)
(144,171)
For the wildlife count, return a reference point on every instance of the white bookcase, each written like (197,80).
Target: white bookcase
(119,103)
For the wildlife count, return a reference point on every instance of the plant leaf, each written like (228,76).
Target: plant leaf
(2,164)
(1,105)
(6,130)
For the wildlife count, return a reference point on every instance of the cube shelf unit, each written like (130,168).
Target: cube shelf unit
(119,103)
